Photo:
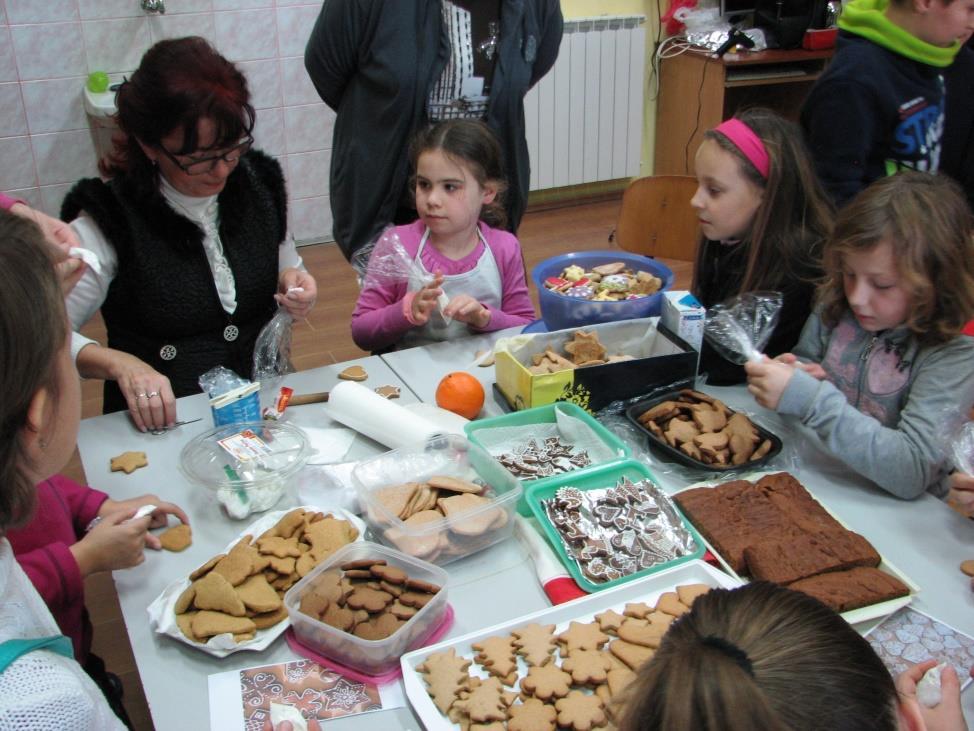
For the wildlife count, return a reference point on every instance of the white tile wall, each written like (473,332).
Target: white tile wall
(47,48)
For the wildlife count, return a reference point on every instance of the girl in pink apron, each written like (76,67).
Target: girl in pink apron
(467,274)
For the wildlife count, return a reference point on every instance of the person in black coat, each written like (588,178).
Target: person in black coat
(390,68)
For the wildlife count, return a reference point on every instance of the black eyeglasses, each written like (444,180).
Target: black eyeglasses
(205,165)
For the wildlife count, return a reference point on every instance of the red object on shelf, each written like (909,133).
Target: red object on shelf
(818,39)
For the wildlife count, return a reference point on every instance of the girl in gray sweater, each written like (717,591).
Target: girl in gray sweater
(881,371)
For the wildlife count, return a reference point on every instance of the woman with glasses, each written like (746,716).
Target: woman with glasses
(191,232)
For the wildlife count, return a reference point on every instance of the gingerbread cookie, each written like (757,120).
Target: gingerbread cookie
(445,675)
(535,643)
(388,392)
(587,667)
(129,462)
(354,373)
(178,538)
(546,682)
(580,712)
(532,715)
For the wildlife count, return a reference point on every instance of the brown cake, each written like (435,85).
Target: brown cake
(845,590)
(739,514)
(773,529)
(790,559)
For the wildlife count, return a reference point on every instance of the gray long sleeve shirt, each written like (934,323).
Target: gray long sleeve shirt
(889,404)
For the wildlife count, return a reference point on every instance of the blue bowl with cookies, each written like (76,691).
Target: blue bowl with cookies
(589,287)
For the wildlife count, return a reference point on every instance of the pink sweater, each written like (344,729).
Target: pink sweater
(64,509)
(378,320)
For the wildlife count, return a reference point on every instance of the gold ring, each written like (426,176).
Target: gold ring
(141,395)
(152,394)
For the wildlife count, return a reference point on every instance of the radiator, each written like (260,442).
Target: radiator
(584,119)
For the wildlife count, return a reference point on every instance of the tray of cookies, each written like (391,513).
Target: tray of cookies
(439,501)
(699,430)
(561,664)
(612,524)
(367,605)
(234,601)
(546,441)
(773,529)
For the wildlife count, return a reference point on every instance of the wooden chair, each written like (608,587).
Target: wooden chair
(656,218)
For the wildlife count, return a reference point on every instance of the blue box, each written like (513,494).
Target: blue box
(560,312)
(237,406)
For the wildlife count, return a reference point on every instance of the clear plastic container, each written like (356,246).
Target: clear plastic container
(547,414)
(371,657)
(248,467)
(560,312)
(443,540)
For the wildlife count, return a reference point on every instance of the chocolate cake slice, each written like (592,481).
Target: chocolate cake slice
(791,559)
(845,590)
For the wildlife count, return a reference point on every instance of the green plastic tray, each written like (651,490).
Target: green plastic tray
(594,479)
(546,415)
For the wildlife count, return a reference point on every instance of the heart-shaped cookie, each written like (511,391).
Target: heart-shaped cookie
(354,373)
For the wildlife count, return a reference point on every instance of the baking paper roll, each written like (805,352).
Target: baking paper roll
(370,414)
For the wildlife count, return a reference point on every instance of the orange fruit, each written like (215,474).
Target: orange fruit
(460,393)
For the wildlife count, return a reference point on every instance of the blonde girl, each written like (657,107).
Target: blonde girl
(882,370)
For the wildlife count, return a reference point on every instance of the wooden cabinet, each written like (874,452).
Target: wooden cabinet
(697,92)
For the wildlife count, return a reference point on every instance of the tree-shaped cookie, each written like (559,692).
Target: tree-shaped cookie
(445,675)
(535,643)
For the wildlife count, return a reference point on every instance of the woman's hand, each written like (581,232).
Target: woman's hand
(112,544)
(159,518)
(767,381)
(425,300)
(815,370)
(70,269)
(147,392)
(298,304)
(946,715)
(466,309)
(57,232)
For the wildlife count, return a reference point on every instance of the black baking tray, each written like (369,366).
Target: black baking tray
(674,454)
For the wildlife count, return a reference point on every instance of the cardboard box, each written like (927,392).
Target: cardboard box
(684,315)
(661,359)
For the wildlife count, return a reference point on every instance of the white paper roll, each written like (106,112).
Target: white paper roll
(378,418)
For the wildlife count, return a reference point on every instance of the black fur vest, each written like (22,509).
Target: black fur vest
(162,306)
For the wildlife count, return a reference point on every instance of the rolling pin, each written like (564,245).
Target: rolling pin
(309,398)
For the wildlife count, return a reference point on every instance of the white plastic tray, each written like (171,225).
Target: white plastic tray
(646,590)
(162,617)
(853,616)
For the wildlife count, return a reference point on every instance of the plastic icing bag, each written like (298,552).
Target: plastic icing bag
(739,328)
(272,352)
(962,448)
(390,263)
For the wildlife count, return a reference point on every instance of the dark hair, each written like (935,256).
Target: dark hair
(758,658)
(794,218)
(33,328)
(472,143)
(927,221)
(178,82)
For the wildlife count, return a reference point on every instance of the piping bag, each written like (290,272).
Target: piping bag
(739,328)
(555,580)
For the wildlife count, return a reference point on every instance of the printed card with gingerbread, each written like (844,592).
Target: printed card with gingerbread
(565,666)
(234,600)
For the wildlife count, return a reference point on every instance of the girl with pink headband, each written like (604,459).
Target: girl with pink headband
(763,218)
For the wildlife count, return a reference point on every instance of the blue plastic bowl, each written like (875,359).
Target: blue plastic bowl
(560,312)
